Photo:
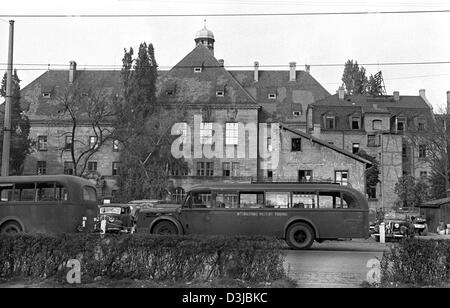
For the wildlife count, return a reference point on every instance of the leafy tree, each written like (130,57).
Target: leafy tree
(143,128)
(412,191)
(356,82)
(372,173)
(21,144)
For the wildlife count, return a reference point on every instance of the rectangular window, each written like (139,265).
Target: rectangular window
(269,144)
(423,174)
(304,175)
(226,169)
(228,200)
(42,143)
(46,192)
(304,200)
(206,133)
(330,122)
(235,169)
(220,93)
(115,168)
(269,175)
(331,200)
(93,142)
(296,113)
(68,142)
(404,148)
(205,168)
(272,96)
(41,167)
(341,177)
(356,122)
(92,166)
(115,145)
(278,200)
(296,144)
(421,126)
(197,69)
(251,200)
(355,148)
(401,124)
(68,167)
(372,192)
(25,192)
(422,151)
(373,140)
(231,133)
(46,94)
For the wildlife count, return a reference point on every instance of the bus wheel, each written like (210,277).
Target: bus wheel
(10,228)
(165,228)
(300,236)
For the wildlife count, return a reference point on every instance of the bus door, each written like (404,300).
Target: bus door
(195,215)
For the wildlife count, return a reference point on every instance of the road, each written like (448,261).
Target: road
(333,264)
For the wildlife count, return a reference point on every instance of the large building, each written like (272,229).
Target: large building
(381,126)
(262,113)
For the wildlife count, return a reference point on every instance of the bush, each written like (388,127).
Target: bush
(142,256)
(417,261)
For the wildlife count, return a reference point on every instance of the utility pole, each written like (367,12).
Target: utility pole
(7,122)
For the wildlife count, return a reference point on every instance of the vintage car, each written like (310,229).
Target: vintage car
(395,229)
(420,225)
(118,218)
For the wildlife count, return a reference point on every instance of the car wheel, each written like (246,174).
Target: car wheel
(165,228)
(300,236)
(11,228)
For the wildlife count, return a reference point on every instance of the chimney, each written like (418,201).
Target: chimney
(255,74)
(72,71)
(422,93)
(396,96)
(341,93)
(221,62)
(448,102)
(307,68)
(292,71)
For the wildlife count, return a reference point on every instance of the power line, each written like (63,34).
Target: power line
(114,66)
(219,14)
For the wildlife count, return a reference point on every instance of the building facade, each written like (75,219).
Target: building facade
(262,116)
(382,127)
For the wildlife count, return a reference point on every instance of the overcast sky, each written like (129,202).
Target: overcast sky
(271,40)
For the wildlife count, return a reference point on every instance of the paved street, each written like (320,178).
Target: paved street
(333,264)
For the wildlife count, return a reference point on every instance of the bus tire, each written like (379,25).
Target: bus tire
(165,228)
(10,227)
(300,236)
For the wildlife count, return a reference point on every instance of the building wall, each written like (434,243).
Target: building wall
(55,157)
(321,160)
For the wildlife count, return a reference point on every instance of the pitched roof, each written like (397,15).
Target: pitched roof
(201,87)
(382,101)
(435,203)
(325,144)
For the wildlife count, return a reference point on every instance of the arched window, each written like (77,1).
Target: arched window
(179,194)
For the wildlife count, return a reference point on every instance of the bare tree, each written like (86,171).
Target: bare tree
(85,109)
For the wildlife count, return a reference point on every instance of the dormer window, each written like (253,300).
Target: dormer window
(220,93)
(46,94)
(296,113)
(330,122)
(401,124)
(169,92)
(272,96)
(355,122)
(197,69)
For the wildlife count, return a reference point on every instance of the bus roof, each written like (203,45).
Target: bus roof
(277,186)
(63,178)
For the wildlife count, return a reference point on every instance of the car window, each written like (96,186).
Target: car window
(304,200)
(251,200)
(25,192)
(278,200)
(201,200)
(6,192)
(89,193)
(226,200)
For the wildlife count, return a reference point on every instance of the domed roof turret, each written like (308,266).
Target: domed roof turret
(205,37)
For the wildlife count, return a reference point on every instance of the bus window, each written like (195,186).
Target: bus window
(89,194)
(306,200)
(226,200)
(330,199)
(6,192)
(201,200)
(251,200)
(278,200)
(25,192)
(46,192)
(62,193)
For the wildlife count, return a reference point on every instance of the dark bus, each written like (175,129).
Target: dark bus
(46,204)
(297,212)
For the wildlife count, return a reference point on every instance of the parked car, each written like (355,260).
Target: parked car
(395,229)
(420,225)
(118,217)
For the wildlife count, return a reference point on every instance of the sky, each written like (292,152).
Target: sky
(98,43)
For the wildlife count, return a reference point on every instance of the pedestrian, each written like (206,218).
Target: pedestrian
(441,229)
